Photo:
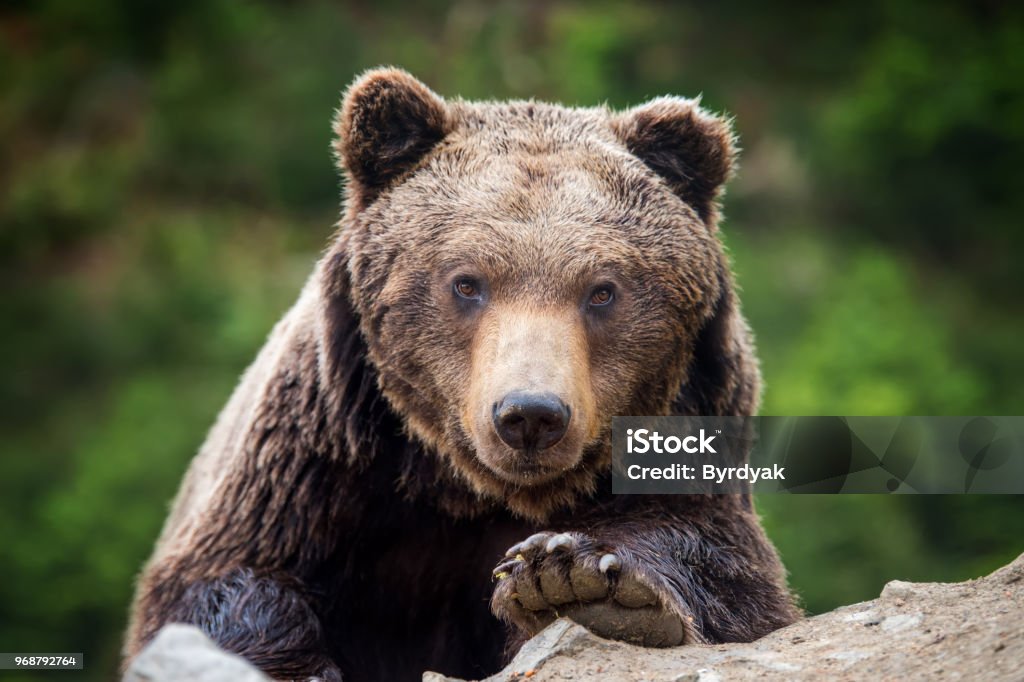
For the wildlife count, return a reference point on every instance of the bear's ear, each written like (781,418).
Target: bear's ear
(387,122)
(690,148)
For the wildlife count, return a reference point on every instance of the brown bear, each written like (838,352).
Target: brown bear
(428,429)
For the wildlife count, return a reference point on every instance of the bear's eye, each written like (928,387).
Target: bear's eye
(465,287)
(601,296)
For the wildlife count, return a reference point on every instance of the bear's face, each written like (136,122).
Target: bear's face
(521,276)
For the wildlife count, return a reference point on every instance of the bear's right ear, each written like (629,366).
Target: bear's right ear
(691,149)
(387,122)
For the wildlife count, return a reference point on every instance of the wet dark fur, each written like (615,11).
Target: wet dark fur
(340,543)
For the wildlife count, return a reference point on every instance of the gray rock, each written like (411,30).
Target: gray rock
(438,677)
(900,621)
(561,638)
(181,653)
(900,589)
(702,675)
(914,631)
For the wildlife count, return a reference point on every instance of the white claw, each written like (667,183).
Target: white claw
(560,541)
(530,543)
(609,562)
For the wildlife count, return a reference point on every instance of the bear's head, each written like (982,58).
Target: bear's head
(521,272)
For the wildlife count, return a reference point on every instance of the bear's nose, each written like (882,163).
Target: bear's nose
(531,421)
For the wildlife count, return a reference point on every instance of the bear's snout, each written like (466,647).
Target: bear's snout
(529,410)
(531,421)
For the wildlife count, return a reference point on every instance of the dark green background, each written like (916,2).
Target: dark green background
(165,187)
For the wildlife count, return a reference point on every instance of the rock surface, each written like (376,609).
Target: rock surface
(969,630)
(182,652)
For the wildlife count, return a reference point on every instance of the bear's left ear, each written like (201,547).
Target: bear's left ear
(691,149)
(387,122)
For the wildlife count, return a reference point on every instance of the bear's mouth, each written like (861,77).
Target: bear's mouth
(527,468)
(523,468)
(522,472)
(533,471)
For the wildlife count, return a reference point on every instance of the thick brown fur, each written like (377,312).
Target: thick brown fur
(345,513)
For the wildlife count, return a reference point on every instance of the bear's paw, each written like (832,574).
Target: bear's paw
(551,575)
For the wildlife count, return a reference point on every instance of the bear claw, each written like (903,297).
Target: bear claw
(609,562)
(562,541)
(529,544)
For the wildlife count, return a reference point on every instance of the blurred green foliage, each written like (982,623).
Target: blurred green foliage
(165,186)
